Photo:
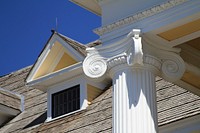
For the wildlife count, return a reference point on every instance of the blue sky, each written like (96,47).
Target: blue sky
(25,27)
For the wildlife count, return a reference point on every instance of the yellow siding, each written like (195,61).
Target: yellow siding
(181,31)
(65,61)
(92,92)
(191,78)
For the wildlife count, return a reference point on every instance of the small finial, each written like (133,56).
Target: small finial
(56,29)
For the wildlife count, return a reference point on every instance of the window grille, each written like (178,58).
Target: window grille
(66,101)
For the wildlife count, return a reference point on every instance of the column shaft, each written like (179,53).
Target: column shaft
(134,101)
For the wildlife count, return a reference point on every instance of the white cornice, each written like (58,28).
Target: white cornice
(139,16)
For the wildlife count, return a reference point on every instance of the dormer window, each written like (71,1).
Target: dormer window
(66,101)
(58,71)
(66,98)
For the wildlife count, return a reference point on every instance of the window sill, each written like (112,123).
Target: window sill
(56,118)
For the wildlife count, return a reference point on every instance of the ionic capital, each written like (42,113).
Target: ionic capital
(94,65)
(134,53)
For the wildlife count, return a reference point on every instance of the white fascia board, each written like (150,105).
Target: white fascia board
(41,58)
(58,76)
(151,23)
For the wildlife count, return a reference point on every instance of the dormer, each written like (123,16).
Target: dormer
(58,71)
(11,104)
(60,52)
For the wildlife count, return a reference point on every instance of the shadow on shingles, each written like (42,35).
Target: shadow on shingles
(38,120)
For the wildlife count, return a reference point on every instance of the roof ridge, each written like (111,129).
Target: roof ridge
(70,39)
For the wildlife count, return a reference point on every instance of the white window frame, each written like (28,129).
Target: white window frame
(80,80)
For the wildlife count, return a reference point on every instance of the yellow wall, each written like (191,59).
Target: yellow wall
(181,31)
(191,78)
(49,63)
(65,61)
(92,92)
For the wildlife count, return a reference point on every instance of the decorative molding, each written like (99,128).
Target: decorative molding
(117,60)
(150,62)
(135,53)
(139,16)
(153,62)
(173,66)
(94,65)
(132,67)
(132,53)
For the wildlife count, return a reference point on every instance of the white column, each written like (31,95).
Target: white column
(133,66)
(134,101)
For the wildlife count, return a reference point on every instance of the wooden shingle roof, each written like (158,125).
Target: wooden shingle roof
(74,44)
(174,103)
(11,100)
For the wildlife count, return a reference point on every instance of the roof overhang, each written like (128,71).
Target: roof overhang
(64,74)
(185,35)
(90,5)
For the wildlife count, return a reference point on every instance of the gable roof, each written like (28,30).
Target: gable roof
(74,44)
(174,103)
(57,47)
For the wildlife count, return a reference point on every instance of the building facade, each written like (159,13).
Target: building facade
(141,76)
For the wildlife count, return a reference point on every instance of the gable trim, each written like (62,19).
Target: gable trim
(51,42)
(60,75)
(59,56)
